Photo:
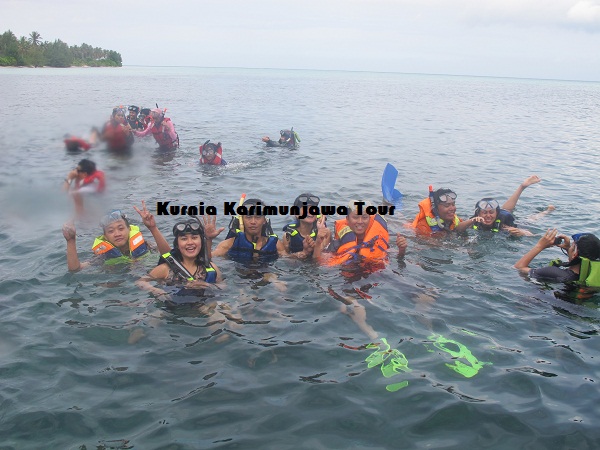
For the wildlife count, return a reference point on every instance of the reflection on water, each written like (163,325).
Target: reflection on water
(467,353)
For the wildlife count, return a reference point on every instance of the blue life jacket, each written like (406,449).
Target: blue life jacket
(244,250)
(296,239)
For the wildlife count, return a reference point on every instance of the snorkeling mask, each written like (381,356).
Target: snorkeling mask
(192,226)
(309,199)
(135,109)
(113,216)
(448,197)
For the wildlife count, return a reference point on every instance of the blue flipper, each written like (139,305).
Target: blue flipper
(388,183)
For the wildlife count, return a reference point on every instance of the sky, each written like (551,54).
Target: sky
(548,39)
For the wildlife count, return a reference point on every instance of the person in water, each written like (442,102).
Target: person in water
(84,179)
(250,238)
(307,236)
(437,214)
(361,241)
(188,262)
(116,132)
(120,241)
(212,154)
(583,265)
(144,117)
(76,144)
(496,218)
(287,138)
(162,129)
(362,238)
(133,120)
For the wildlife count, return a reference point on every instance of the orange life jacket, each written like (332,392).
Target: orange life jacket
(97,175)
(372,248)
(426,221)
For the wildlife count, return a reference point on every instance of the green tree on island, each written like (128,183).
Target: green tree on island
(32,51)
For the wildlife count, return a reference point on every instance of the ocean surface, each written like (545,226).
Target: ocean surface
(478,356)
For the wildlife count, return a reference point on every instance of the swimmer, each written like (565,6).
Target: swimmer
(306,237)
(132,118)
(191,252)
(254,240)
(496,218)
(212,154)
(116,132)
(362,238)
(120,241)
(437,214)
(84,179)
(162,129)
(287,138)
(583,248)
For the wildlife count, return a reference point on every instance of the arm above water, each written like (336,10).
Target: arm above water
(511,203)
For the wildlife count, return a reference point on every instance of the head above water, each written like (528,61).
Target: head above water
(487,208)
(588,246)
(86,166)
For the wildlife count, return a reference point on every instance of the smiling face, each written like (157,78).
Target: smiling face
(446,211)
(358,223)
(117,233)
(489,215)
(189,245)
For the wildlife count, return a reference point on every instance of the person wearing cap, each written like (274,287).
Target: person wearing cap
(162,129)
(287,138)
(116,132)
(583,251)
(496,218)
(133,120)
(212,154)
(250,237)
(120,241)
(363,238)
(437,214)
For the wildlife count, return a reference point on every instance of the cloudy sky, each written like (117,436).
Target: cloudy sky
(558,39)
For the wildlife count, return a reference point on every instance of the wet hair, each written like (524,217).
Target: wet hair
(588,246)
(87,166)
(441,191)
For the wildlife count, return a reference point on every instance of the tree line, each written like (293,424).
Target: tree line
(32,51)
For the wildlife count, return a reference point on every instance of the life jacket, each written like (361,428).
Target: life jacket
(137,247)
(98,175)
(162,137)
(589,272)
(244,250)
(211,274)
(426,222)
(296,239)
(74,143)
(118,137)
(218,156)
(373,247)
(504,218)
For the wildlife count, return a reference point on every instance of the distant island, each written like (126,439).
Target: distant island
(31,51)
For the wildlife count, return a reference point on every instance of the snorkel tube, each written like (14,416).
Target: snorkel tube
(177,267)
(434,208)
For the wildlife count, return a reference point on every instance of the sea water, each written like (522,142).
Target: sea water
(478,356)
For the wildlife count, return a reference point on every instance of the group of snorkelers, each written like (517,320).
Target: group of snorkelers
(120,130)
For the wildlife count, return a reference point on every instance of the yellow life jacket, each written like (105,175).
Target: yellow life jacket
(137,247)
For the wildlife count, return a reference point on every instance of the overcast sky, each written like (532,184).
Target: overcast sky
(557,39)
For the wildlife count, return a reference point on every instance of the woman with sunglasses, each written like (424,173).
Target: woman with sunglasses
(437,214)
(306,236)
(117,133)
(120,241)
(212,154)
(583,265)
(496,218)
(188,262)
